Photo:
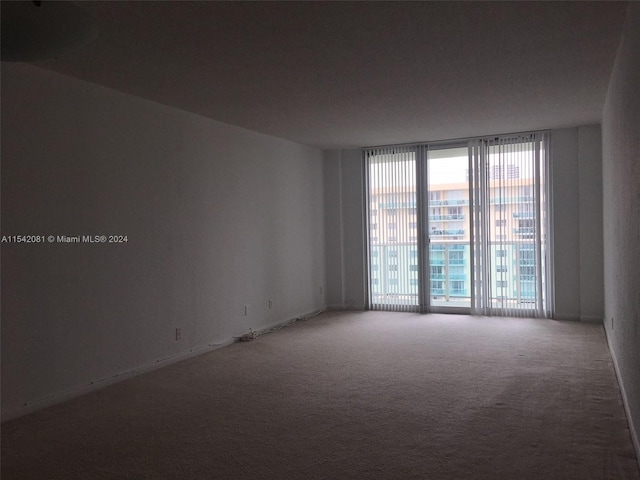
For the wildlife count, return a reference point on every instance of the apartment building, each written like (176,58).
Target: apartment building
(511,221)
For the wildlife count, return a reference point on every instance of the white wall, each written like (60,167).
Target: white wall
(217,218)
(334,273)
(566,224)
(344,229)
(621,193)
(590,201)
(352,214)
(576,154)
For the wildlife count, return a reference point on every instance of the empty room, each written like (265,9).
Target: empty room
(320,240)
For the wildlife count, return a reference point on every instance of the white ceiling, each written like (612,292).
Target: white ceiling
(351,74)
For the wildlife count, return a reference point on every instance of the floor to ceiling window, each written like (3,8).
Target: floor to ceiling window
(393,228)
(447,183)
(460,227)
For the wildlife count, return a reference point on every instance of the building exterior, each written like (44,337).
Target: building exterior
(511,229)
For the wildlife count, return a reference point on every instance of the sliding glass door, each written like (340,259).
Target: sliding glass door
(447,203)
(460,227)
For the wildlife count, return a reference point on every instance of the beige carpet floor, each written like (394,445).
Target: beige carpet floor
(361,395)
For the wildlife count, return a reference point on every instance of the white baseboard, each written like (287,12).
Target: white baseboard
(95,385)
(357,308)
(334,308)
(565,317)
(282,323)
(578,318)
(634,436)
(74,392)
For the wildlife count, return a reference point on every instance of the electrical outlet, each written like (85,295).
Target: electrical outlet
(270,304)
(246,310)
(611,322)
(178,333)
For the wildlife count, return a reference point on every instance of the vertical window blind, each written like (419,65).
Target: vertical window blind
(434,242)
(509,225)
(393,228)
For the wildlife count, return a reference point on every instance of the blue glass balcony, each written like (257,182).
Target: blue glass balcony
(458,232)
(439,218)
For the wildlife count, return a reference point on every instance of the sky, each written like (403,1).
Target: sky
(445,167)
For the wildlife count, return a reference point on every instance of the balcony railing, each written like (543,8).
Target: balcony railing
(505,200)
(440,218)
(457,232)
(457,261)
(436,203)
(396,205)
(449,273)
(524,231)
(455,202)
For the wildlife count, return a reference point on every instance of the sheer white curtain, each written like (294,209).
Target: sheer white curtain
(510,225)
